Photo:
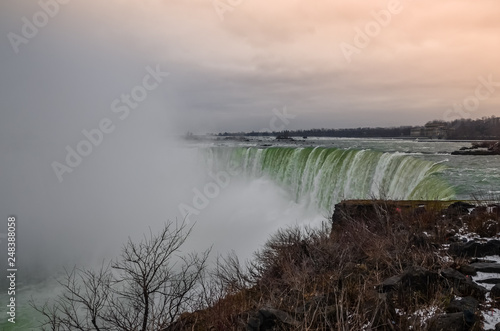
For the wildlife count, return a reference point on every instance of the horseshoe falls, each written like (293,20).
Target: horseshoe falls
(322,176)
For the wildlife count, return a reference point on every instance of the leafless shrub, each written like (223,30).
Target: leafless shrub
(147,288)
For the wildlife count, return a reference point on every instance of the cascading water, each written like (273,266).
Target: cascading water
(321,176)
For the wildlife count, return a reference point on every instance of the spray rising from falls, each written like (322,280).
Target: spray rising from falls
(321,177)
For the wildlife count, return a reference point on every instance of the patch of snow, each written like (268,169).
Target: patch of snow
(446,258)
(463,233)
(366,326)
(485,275)
(426,313)
(491,317)
(495,258)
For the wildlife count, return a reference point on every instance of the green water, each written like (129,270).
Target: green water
(323,176)
(325,172)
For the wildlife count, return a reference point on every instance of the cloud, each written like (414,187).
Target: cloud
(224,76)
(228,75)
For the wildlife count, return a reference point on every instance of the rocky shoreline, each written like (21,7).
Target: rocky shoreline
(480,148)
(383,265)
(473,277)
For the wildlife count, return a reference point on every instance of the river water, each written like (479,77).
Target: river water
(239,192)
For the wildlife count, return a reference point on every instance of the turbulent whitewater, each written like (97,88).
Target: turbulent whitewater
(322,176)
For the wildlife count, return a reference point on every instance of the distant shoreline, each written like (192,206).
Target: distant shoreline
(299,138)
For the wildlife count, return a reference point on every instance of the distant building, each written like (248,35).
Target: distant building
(433,130)
(417,131)
(436,130)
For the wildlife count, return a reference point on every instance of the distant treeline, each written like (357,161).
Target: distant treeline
(484,128)
(357,132)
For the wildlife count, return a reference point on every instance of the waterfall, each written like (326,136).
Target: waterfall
(323,176)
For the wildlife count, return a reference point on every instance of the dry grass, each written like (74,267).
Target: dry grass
(328,278)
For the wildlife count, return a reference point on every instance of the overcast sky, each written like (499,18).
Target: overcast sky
(65,66)
(230,66)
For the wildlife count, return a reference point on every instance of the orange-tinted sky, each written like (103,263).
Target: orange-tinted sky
(233,62)
(59,83)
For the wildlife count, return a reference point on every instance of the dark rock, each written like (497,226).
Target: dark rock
(495,292)
(468,270)
(419,240)
(453,274)
(488,281)
(456,249)
(268,319)
(462,321)
(463,284)
(487,146)
(459,207)
(455,239)
(475,249)
(481,144)
(255,320)
(419,279)
(390,284)
(467,303)
(497,327)
(481,260)
(473,289)
(426,282)
(486,267)
(478,210)
(476,152)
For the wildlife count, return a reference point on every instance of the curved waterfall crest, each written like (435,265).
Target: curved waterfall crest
(323,176)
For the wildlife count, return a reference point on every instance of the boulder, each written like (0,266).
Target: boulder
(486,267)
(419,279)
(269,319)
(473,289)
(462,321)
(468,270)
(463,284)
(459,208)
(495,292)
(480,148)
(454,275)
(390,284)
(475,249)
(467,303)
(476,152)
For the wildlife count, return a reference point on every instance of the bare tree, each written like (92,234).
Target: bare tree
(145,289)
(79,307)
